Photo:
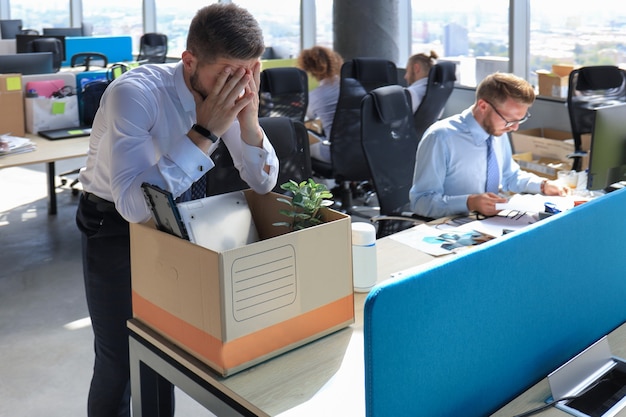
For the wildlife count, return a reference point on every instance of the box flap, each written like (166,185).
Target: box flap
(265,212)
(562,70)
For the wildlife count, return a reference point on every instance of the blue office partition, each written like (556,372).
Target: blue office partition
(116,48)
(465,337)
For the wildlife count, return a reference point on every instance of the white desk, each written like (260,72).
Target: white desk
(48,151)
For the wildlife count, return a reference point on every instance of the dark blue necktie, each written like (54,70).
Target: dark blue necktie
(198,188)
(493,171)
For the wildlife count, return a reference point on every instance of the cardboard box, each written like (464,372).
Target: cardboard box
(550,145)
(554,83)
(11,104)
(236,308)
(544,167)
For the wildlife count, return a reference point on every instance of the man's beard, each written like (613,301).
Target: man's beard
(195,85)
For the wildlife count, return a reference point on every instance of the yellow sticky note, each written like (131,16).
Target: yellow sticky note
(58,107)
(14,83)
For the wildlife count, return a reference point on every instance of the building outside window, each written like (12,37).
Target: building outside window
(472,33)
(280,21)
(580,36)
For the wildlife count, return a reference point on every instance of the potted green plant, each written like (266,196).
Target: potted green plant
(305,205)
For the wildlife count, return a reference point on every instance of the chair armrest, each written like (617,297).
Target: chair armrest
(410,217)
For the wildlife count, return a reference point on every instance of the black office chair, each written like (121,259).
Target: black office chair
(389,143)
(291,142)
(152,48)
(441,78)
(53,45)
(89,59)
(284,91)
(348,167)
(589,88)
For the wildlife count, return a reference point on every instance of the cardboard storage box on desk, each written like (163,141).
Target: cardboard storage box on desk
(11,105)
(192,295)
(546,151)
(554,83)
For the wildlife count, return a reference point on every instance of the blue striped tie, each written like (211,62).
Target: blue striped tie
(493,171)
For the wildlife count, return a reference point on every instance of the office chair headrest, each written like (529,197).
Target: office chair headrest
(391,103)
(601,77)
(154,39)
(47,45)
(444,71)
(371,70)
(283,80)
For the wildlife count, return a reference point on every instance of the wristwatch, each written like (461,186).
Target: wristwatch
(204,132)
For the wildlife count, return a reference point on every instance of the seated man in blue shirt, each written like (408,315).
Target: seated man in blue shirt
(451,168)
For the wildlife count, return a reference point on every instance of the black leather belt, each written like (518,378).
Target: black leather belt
(101,203)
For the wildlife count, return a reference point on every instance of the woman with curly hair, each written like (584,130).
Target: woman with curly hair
(324,65)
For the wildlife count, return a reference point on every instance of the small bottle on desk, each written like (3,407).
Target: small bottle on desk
(364,266)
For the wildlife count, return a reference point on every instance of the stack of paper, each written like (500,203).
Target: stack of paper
(14,144)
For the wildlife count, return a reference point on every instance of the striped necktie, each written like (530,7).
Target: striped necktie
(493,171)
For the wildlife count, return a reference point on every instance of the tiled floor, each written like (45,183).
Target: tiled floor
(46,341)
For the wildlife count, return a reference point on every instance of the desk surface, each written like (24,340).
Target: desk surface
(326,376)
(537,394)
(323,377)
(48,151)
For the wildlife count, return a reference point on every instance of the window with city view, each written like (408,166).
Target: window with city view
(472,33)
(561,34)
(173,18)
(37,15)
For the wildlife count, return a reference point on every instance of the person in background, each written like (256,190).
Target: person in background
(159,124)
(463,160)
(324,65)
(417,68)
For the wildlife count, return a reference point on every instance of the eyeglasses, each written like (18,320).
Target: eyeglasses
(508,124)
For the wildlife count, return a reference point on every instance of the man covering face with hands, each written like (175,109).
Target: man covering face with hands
(159,124)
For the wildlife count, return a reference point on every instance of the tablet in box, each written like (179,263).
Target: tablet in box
(235,308)
(219,222)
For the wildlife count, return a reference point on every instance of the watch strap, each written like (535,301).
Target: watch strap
(204,132)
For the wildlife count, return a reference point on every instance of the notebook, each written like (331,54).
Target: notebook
(220,223)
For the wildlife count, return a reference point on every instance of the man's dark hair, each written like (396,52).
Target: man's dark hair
(224,31)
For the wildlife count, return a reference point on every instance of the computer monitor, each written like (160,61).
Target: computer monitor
(607,159)
(63,31)
(22,43)
(10,27)
(27,63)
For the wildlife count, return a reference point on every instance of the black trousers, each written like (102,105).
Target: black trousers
(106,270)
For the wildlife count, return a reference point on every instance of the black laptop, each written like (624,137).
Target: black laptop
(65,133)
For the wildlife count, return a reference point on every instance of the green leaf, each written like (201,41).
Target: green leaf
(308,198)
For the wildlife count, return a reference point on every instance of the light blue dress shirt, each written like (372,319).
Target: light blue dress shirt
(418,91)
(323,102)
(451,164)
